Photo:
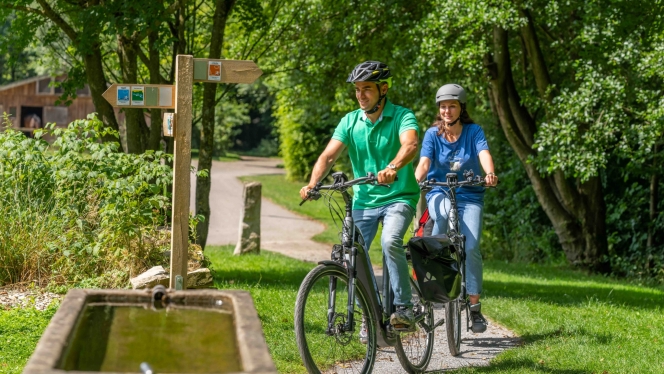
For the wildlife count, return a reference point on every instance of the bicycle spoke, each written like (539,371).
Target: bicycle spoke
(337,350)
(414,349)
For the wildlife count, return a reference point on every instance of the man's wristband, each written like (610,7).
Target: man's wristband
(492,173)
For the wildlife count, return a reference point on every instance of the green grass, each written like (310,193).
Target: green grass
(229,157)
(273,281)
(20,329)
(572,322)
(286,193)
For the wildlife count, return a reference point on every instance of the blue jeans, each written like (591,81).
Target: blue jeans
(396,218)
(470,224)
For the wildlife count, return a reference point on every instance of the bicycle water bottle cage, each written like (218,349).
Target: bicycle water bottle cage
(451,177)
(339,177)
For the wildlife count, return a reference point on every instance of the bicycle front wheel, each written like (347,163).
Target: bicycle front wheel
(414,349)
(453,324)
(325,345)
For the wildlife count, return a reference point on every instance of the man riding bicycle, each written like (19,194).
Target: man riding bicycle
(382,139)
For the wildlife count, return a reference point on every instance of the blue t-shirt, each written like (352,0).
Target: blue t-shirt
(459,156)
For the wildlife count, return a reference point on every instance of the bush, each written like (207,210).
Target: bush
(77,211)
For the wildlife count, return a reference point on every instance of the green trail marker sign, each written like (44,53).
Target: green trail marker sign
(179,97)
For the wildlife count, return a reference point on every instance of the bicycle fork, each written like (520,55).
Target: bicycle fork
(350,262)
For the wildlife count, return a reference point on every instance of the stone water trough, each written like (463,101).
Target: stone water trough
(153,331)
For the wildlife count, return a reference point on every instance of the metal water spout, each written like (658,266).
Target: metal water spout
(158,293)
(146,368)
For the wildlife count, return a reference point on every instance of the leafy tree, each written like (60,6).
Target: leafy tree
(15,55)
(82,23)
(572,86)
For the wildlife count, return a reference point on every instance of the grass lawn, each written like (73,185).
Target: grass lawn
(273,281)
(229,157)
(20,330)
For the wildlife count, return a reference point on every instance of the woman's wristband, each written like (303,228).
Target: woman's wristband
(492,173)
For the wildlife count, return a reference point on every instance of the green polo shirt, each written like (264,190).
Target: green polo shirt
(371,147)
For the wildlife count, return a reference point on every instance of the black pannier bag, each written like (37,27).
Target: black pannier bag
(436,271)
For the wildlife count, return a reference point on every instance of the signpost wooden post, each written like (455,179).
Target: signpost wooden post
(180,98)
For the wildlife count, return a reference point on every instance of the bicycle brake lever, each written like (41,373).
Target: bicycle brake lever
(311,195)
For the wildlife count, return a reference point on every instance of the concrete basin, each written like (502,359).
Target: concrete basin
(115,331)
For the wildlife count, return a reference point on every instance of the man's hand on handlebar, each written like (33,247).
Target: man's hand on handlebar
(304,192)
(387,176)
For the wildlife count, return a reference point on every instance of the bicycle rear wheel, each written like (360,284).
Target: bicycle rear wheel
(453,325)
(414,349)
(324,348)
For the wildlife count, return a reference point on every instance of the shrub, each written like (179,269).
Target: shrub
(77,211)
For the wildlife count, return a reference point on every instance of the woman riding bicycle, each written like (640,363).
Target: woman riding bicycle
(455,144)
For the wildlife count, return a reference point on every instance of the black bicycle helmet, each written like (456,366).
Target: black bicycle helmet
(372,71)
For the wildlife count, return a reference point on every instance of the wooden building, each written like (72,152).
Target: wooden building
(31,104)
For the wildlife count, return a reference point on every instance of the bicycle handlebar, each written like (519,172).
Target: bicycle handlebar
(452,181)
(314,193)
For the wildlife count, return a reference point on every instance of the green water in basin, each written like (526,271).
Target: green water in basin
(173,340)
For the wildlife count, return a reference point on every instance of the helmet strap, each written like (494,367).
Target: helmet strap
(375,109)
(453,122)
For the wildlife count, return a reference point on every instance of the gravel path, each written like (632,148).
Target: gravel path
(476,349)
(18,297)
(277,223)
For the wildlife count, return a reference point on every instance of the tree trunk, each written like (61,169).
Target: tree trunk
(222,11)
(134,118)
(576,210)
(155,78)
(654,200)
(94,73)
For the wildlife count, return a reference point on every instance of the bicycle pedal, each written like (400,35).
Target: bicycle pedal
(404,328)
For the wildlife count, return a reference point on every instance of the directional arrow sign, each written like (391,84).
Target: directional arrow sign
(225,71)
(130,95)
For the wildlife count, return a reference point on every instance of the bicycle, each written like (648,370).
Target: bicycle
(342,291)
(454,307)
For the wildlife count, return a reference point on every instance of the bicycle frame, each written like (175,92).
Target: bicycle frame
(453,231)
(353,257)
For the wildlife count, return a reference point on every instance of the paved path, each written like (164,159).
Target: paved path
(278,226)
(277,223)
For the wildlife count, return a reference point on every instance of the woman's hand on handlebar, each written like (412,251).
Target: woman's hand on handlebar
(491,180)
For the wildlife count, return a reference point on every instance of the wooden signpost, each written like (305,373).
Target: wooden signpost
(180,97)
